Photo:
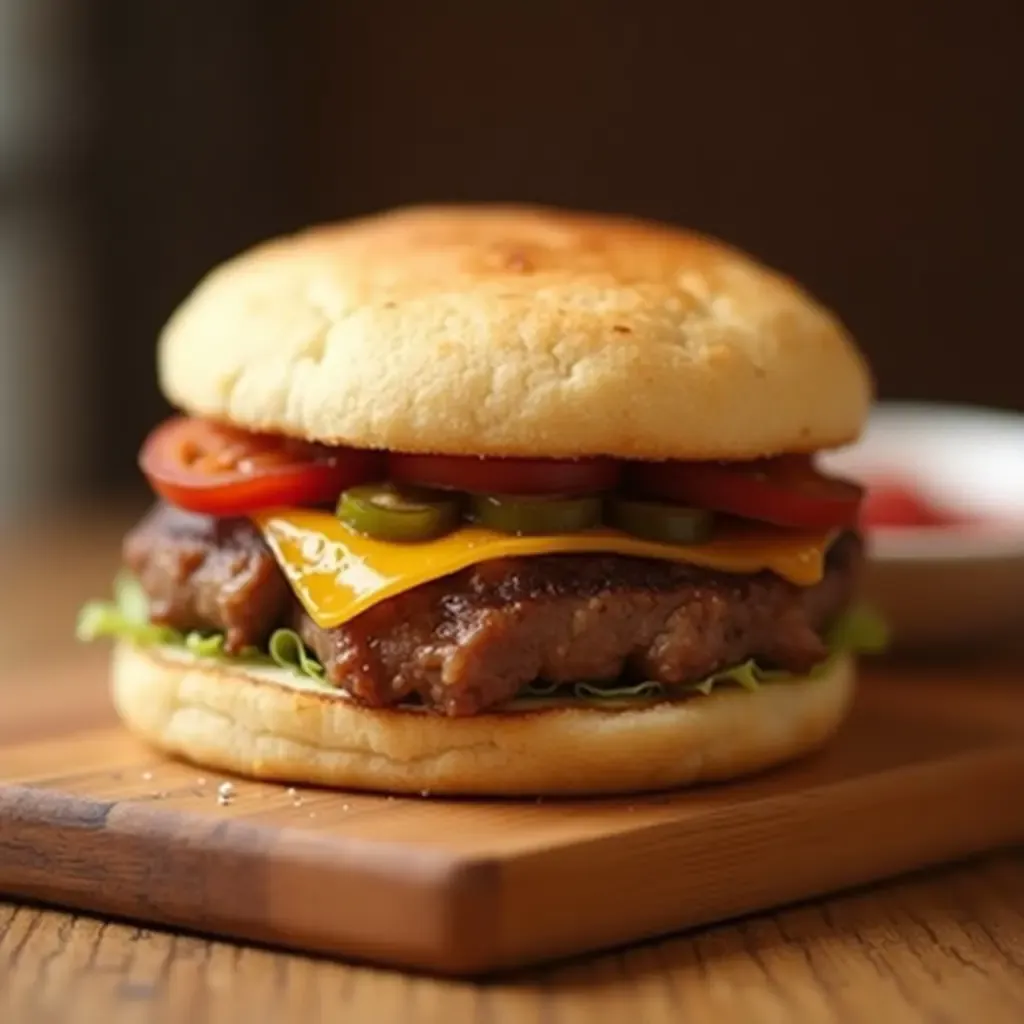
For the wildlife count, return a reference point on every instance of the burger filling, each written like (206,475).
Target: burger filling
(475,639)
(471,622)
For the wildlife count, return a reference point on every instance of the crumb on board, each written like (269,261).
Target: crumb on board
(201,781)
(146,776)
(225,793)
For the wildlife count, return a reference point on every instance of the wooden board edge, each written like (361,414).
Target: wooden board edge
(367,901)
(430,910)
(670,904)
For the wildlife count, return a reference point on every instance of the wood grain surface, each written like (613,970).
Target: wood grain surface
(946,945)
(940,947)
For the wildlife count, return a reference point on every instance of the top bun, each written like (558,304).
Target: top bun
(502,330)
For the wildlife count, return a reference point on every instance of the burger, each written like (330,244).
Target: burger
(494,500)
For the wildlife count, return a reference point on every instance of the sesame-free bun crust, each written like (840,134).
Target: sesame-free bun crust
(233,719)
(515,331)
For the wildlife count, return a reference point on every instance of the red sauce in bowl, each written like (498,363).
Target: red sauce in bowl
(894,503)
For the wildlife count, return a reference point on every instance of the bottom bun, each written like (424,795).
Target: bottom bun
(266,725)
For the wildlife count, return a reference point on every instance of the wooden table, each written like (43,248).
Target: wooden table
(945,945)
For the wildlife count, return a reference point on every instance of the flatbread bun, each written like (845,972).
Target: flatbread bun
(504,330)
(259,724)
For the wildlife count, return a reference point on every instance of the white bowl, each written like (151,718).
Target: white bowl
(947,585)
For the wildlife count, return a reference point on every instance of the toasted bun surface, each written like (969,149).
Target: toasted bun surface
(248,722)
(515,331)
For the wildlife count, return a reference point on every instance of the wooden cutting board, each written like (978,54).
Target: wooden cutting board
(928,769)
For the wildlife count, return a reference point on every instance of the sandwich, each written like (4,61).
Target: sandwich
(494,500)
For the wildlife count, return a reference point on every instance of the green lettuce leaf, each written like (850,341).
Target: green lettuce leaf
(124,618)
(127,618)
(859,631)
(287,650)
(612,691)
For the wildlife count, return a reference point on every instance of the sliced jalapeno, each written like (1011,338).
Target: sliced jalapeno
(386,512)
(660,521)
(519,515)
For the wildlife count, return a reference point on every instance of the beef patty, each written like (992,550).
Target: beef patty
(205,573)
(473,639)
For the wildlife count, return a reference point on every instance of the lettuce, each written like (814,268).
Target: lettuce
(127,618)
(287,650)
(859,631)
(124,618)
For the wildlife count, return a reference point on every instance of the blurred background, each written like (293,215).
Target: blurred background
(872,152)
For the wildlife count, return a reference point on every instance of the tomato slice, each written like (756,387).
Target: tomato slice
(485,475)
(787,490)
(222,471)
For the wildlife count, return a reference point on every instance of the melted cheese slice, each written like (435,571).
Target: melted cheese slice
(337,573)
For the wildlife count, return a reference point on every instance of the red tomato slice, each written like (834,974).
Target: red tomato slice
(222,471)
(505,475)
(787,491)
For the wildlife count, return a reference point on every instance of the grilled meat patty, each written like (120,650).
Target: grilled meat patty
(471,640)
(200,572)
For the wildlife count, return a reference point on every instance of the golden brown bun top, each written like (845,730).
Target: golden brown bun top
(515,331)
